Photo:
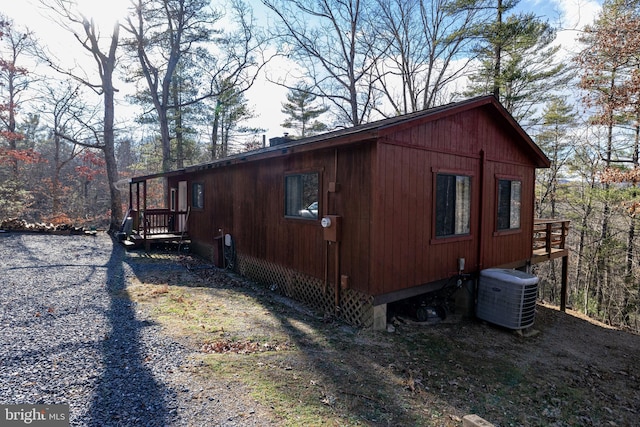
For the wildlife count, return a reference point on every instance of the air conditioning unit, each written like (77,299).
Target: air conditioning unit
(507,297)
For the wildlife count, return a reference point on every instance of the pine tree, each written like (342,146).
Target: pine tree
(555,140)
(302,112)
(517,61)
(231,109)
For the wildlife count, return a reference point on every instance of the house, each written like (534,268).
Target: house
(358,218)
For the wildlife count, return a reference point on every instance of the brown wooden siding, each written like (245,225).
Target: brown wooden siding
(385,197)
(353,203)
(247,201)
(405,252)
(507,246)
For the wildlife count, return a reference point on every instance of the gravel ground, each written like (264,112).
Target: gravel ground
(71,336)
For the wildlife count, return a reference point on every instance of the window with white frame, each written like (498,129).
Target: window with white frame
(453,205)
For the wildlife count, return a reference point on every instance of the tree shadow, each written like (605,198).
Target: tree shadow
(352,375)
(127,393)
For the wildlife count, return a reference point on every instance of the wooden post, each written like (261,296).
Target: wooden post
(563,288)
(547,240)
(147,245)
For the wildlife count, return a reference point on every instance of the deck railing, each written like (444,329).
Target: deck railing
(549,242)
(159,221)
(550,235)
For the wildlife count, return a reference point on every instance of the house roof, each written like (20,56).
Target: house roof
(369,131)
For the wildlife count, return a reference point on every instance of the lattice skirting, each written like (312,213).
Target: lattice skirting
(355,308)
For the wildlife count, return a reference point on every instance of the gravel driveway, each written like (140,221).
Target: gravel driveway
(69,335)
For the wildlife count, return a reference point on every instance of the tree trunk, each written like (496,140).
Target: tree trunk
(603,247)
(498,53)
(108,63)
(11,125)
(109,152)
(584,223)
(215,131)
(178,126)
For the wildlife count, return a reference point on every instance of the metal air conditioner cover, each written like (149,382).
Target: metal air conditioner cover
(507,298)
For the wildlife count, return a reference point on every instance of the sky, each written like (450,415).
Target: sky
(266,98)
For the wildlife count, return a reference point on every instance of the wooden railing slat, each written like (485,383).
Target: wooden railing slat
(159,221)
(550,234)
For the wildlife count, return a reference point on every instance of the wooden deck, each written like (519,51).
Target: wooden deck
(549,243)
(549,240)
(138,241)
(157,226)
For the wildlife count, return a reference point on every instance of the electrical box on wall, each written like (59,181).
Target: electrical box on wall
(332,227)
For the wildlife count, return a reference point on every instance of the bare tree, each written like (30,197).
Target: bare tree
(428,47)
(87,34)
(166,32)
(610,76)
(62,106)
(15,153)
(333,43)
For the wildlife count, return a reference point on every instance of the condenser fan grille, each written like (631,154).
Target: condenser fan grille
(507,298)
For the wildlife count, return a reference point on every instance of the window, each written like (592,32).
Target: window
(508,204)
(301,195)
(172,203)
(453,205)
(197,195)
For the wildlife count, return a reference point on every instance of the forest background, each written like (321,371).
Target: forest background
(143,86)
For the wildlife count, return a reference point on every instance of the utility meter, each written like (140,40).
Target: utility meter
(331,226)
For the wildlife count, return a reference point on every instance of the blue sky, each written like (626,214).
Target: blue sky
(266,98)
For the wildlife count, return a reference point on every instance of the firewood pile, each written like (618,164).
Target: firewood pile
(15,224)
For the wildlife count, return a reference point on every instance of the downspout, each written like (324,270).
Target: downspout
(325,206)
(327,243)
(326,267)
(337,278)
(481,213)
(337,250)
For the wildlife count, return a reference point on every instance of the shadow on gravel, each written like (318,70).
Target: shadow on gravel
(127,393)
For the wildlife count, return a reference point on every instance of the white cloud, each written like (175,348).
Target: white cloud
(574,15)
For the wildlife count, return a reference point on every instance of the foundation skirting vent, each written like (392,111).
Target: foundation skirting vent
(355,308)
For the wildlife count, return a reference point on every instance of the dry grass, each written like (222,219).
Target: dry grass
(309,372)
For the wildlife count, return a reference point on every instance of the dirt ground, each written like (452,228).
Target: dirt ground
(305,369)
(572,371)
